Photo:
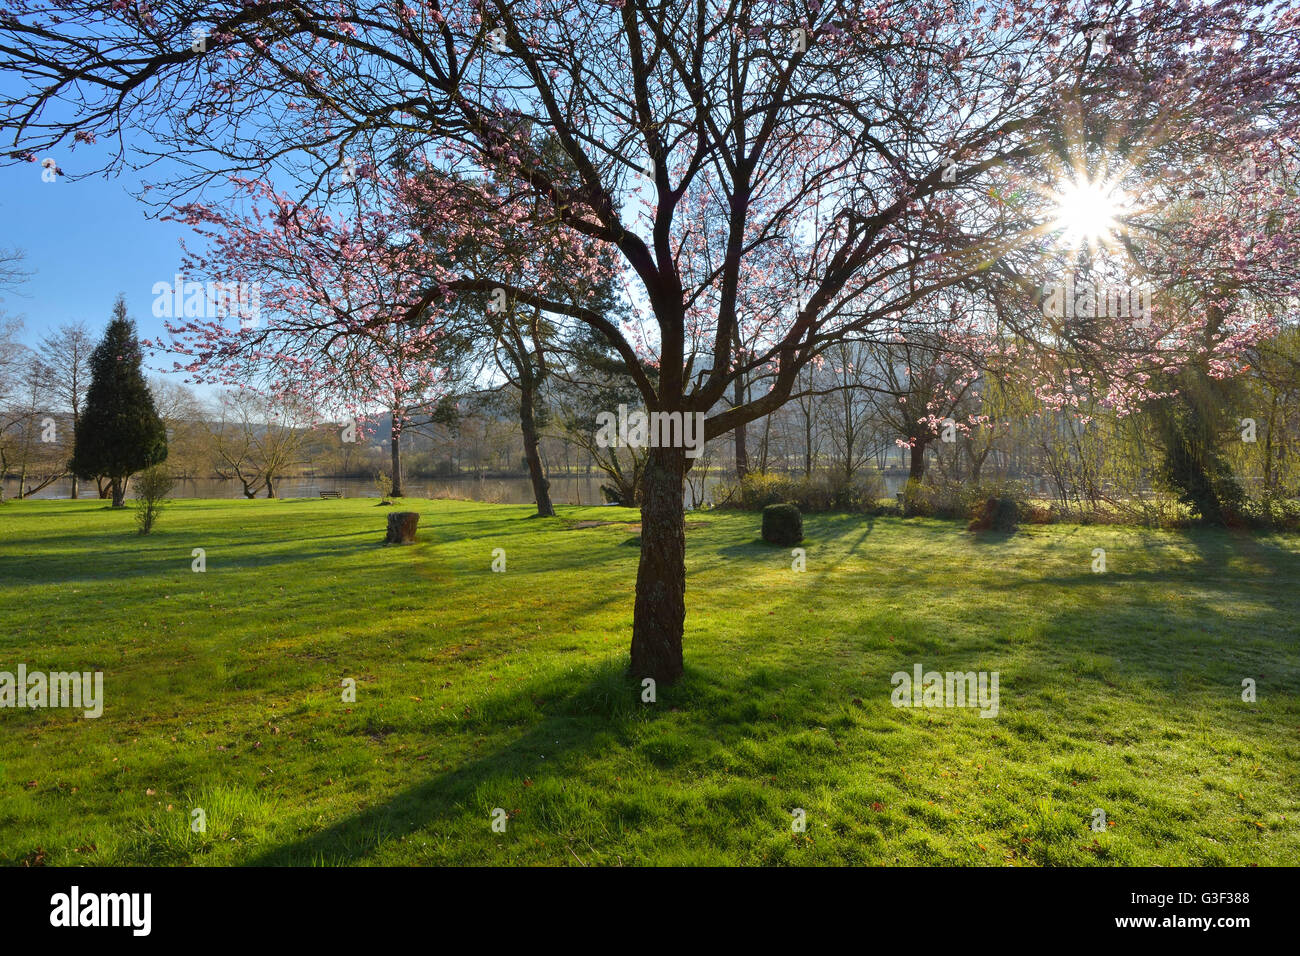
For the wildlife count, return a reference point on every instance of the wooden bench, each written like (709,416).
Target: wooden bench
(331,494)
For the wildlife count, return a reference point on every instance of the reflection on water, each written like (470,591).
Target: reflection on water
(565,490)
(571,490)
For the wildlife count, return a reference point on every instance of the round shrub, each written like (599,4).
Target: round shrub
(860,494)
(782,524)
(995,514)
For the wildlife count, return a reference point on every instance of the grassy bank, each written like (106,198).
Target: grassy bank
(479,690)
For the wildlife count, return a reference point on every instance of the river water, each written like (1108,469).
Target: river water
(565,490)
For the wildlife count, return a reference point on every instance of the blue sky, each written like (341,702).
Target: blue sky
(85,241)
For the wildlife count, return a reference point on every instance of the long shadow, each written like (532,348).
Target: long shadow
(577,718)
(601,712)
(990,538)
(98,564)
(580,720)
(1202,636)
(162,537)
(1174,648)
(817,528)
(67,509)
(169,549)
(1210,566)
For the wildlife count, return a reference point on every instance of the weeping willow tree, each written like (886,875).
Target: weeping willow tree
(1192,426)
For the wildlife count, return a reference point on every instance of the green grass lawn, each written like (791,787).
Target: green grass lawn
(479,690)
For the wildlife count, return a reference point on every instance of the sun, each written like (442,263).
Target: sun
(1088,212)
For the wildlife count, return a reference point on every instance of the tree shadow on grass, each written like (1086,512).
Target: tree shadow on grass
(990,538)
(1189,619)
(1185,655)
(164,556)
(1213,551)
(105,556)
(817,529)
(580,720)
(83,506)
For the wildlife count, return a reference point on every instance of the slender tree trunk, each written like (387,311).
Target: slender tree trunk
(528,424)
(742,453)
(1268,447)
(76,415)
(395,436)
(660,613)
(117,487)
(807,446)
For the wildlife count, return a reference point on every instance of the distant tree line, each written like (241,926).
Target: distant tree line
(525,403)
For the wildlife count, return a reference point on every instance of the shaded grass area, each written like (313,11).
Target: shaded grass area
(478,690)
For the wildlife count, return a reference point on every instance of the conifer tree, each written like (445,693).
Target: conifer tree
(119,432)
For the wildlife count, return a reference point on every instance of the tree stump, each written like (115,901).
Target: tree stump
(401,527)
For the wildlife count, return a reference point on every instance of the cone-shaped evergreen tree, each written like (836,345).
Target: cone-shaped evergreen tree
(120,432)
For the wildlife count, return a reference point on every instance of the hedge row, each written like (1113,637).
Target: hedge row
(818,493)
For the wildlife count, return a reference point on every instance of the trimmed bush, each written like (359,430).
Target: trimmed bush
(1038,514)
(782,524)
(819,493)
(987,507)
(995,514)
(937,499)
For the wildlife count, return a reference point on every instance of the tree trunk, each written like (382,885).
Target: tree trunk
(917,469)
(742,453)
(660,612)
(915,472)
(76,414)
(396,441)
(401,527)
(528,424)
(1268,447)
(807,446)
(117,487)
